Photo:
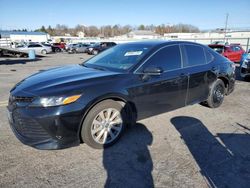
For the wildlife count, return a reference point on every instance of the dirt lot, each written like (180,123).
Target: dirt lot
(191,147)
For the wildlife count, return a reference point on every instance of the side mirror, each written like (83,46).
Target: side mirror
(153,70)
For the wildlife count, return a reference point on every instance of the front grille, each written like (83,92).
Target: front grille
(20,99)
(28,127)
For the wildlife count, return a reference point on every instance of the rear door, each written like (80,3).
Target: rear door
(196,66)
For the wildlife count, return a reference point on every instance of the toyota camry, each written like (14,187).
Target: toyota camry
(93,102)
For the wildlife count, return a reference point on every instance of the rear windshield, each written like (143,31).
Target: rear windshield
(219,49)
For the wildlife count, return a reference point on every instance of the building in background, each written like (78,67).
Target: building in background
(229,34)
(25,36)
(143,34)
(239,37)
(29,37)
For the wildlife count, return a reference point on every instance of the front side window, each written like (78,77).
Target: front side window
(168,58)
(194,55)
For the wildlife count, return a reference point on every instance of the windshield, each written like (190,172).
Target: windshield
(120,58)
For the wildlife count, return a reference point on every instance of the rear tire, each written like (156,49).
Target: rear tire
(217,93)
(44,52)
(104,124)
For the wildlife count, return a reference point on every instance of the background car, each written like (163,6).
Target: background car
(69,45)
(245,66)
(78,48)
(58,47)
(54,48)
(233,51)
(99,47)
(39,48)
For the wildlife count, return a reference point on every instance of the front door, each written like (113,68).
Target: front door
(155,94)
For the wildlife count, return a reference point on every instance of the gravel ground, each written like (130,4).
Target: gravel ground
(190,147)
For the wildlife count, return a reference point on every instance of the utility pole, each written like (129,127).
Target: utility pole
(225,32)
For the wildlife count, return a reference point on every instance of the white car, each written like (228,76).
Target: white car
(39,48)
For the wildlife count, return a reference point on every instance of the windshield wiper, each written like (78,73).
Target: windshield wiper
(82,64)
(99,68)
(94,67)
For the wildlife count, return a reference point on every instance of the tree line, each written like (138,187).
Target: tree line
(115,30)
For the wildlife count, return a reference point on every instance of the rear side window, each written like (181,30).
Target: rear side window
(168,58)
(194,55)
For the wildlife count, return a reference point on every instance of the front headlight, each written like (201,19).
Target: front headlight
(54,101)
(90,49)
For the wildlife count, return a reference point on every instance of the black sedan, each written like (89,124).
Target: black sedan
(93,102)
(99,47)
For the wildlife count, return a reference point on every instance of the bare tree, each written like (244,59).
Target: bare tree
(116,30)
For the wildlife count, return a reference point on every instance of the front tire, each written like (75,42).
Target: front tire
(58,50)
(104,124)
(95,52)
(217,93)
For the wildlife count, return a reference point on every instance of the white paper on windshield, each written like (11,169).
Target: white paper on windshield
(134,53)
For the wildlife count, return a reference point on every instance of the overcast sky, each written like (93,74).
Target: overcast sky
(208,14)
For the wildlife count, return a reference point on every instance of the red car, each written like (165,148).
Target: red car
(60,45)
(233,51)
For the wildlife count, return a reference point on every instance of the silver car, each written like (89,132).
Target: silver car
(39,48)
(78,48)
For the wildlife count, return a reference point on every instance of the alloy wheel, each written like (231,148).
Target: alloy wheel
(106,126)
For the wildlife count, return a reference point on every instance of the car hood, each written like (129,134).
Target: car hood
(61,80)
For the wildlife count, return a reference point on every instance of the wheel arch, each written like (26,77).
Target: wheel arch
(225,81)
(129,106)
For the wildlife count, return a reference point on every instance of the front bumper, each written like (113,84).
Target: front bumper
(45,128)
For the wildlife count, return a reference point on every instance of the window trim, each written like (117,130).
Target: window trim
(136,71)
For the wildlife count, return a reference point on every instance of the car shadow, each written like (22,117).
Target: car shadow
(17,61)
(128,163)
(224,159)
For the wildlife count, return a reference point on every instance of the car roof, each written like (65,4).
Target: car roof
(162,42)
